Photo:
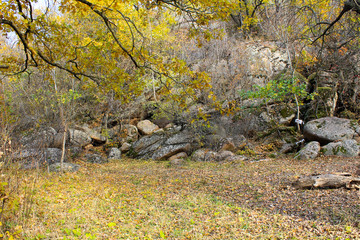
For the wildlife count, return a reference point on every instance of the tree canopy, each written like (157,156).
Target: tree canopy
(123,46)
(119,45)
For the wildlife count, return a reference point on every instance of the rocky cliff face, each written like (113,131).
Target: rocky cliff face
(235,66)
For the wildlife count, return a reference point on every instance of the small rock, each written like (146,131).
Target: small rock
(210,156)
(228,145)
(181,155)
(125,147)
(129,133)
(286,120)
(177,162)
(199,155)
(114,153)
(95,158)
(67,167)
(146,127)
(287,147)
(236,158)
(310,151)
(223,155)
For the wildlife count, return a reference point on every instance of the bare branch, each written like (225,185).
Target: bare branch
(348,6)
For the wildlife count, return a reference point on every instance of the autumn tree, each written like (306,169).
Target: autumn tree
(127,40)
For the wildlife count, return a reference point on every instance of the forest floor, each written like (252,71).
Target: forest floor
(136,199)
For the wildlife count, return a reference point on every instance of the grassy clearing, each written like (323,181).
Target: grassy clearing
(132,199)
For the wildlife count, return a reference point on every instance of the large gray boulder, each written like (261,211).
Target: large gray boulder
(162,145)
(310,151)
(33,158)
(346,148)
(42,138)
(96,137)
(329,129)
(79,138)
(146,146)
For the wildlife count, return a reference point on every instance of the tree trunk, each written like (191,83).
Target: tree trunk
(336,180)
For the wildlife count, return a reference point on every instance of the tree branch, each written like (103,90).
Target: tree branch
(348,6)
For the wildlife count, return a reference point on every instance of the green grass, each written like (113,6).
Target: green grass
(133,199)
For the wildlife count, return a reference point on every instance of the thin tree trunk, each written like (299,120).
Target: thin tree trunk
(64,138)
(63,121)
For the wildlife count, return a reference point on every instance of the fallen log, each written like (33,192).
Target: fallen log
(335,180)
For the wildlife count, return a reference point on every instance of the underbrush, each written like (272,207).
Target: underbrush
(132,199)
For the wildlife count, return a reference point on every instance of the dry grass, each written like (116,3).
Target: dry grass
(132,199)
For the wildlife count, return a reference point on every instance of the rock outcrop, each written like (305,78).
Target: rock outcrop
(162,145)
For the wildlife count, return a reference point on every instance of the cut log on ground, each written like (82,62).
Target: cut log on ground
(335,180)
